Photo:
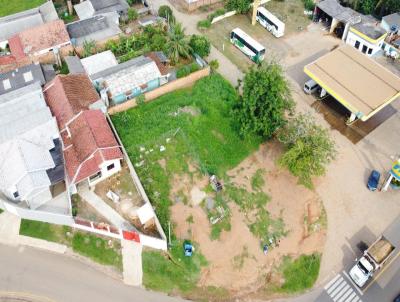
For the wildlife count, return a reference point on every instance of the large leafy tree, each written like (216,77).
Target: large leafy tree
(309,148)
(177,45)
(200,45)
(265,101)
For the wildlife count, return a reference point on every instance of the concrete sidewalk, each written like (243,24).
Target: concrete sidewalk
(132,262)
(103,208)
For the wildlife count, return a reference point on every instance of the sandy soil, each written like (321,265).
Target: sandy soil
(293,205)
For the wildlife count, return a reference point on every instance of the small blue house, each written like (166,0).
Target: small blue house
(129,79)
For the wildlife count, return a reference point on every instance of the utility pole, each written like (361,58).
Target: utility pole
(256,4)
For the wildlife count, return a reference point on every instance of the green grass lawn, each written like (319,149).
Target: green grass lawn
(11,7)
(162,274)
(300,274)
(194,125)
(86,244)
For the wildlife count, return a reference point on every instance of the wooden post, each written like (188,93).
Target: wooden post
(256,4)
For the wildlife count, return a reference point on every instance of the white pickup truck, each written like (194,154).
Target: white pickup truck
(371,261)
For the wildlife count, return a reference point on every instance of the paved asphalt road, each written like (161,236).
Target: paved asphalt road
(55,277)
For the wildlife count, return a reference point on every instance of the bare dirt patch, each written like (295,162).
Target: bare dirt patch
(236,260)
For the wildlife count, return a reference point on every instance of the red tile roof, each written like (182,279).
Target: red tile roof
(67,95)
(88,139)
(90,143)
(16,48)
(44,36)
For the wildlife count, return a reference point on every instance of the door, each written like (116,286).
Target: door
(357,45)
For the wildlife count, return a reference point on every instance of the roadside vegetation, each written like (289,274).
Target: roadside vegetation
(172,271)
(98,249)
(12,7)
(299,274)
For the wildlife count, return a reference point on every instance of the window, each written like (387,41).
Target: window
(28,76)
(369,51)
(357,45)
(16,194)
(95,176)
(6,84)
(364,49)
(110,167)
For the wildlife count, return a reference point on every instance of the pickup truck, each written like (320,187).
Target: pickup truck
(371,261)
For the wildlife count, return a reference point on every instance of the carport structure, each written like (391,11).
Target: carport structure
(359,83)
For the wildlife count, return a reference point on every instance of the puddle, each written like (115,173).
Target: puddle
(336,115)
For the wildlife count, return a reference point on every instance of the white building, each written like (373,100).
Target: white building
(29,141)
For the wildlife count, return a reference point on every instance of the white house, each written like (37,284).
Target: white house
(29,138)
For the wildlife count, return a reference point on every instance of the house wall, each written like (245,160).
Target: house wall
(151,85)
(353,38)
(192,5)
(107,173)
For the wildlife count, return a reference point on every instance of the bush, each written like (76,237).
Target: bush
(240,6)
(203,24)
(182,72)
(132,14)
(194,67)
(214,64)
(218,12)
(200,45)
(165,11)
(140,99)
(309,5)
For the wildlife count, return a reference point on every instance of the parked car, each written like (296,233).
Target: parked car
(397,299)
(373,180)
(310,86)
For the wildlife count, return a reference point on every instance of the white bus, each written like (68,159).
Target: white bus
(270,22)
(254,50)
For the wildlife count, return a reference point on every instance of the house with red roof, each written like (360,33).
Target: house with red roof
(36,41)
(91,151)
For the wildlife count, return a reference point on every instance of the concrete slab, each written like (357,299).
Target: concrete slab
(132,262)
(9,228)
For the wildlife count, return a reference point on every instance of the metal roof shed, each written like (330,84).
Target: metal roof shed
(360,84)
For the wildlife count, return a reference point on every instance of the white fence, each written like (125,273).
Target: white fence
(226,15)
(155,243)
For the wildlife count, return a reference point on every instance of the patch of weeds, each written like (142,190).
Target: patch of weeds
(238,260)
(173,271)
(257,180)
(220,214)
(320,224)
(299,274)
(247,201)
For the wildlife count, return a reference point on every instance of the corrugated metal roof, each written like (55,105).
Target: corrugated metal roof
(126,76)
(99,62)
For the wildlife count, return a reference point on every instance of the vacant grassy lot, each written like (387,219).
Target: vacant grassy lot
(15,6)
(291,12)
(195,128)
(86,244)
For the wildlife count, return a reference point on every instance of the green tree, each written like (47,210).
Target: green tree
(214,64)
(200,45)
(132,14)
(309,148)
(89,48)
(266,99)
(165,11)
(177,45)
(387,7)
(240,6)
